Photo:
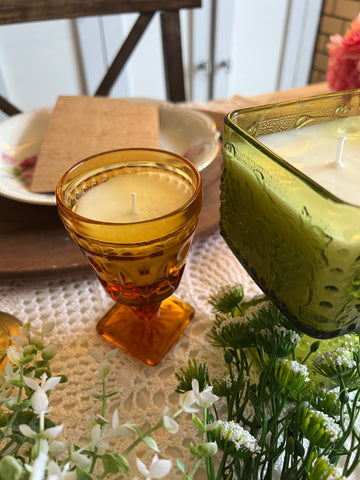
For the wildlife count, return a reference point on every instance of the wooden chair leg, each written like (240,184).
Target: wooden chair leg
(172,51)
(124,53)
(8,107)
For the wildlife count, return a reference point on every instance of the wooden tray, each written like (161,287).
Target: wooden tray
(34,242)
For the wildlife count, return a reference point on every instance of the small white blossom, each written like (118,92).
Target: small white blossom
(169,423)
(297,367)
(281,332)
(40,402)
(237,434)
(158,468)
(117,430)
(203,399)
(229,380)
(79,459)
(55,473)
(97,438)
(27,431)
(339,357)
(14,354)
(38,468)
(49,433)
(39,399)
(56,448)
(231,321)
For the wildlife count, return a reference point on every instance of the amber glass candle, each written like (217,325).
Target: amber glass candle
(134,213)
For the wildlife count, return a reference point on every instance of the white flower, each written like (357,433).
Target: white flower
(79,459)
(12,375)
(14,354)
(38,467)
(50,432)
(169,423)
(234,432)
(204,399)
(55,472)
(117,430)
(97,438)
(158,468)
(39,399)
(56,448)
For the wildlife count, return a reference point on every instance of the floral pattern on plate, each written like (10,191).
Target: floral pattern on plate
(183,131)
(20,142)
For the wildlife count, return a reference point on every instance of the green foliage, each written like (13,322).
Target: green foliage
(292,403)
(284,402)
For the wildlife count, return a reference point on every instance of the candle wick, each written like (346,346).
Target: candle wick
(339,151)
(133,198)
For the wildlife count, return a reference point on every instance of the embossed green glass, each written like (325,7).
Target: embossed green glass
(298,242)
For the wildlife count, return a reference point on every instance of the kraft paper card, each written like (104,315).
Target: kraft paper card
(82,126)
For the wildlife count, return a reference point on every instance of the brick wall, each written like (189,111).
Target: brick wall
(336,17)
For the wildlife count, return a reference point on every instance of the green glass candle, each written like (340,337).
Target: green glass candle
(297,240)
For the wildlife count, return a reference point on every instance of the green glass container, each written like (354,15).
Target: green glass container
(299,243)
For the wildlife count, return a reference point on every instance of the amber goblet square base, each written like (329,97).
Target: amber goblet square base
(139,263)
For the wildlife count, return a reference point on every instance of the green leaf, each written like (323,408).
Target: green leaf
(49,352)
(134,428)
(122,462)
(97,395)
(181,465)
(150,442)
(82,475)
(110,464)
(10,468)
(198,423)
(37,342)
(4,419)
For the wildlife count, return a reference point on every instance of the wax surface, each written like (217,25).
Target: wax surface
(157,193)
(312,150)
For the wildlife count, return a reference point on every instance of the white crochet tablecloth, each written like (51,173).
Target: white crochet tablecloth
(76,304)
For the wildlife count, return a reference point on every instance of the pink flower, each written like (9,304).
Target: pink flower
(8,158)
(28,162)
(344,59)
(28,168)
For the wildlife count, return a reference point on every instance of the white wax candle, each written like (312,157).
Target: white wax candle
(312,150)
(157,193)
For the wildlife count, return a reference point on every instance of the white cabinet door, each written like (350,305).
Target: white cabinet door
(38,62)
(229,46)
(263,45)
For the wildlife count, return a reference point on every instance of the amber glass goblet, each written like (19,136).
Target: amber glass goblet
(133,213)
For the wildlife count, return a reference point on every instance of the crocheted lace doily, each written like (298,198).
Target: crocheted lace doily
(76,303)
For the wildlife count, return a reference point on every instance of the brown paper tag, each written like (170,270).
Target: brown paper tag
(83,126)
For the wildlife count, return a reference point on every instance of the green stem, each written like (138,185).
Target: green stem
(104,397)
(139,439)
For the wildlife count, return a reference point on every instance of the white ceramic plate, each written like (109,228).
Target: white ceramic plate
(20,141)
(186,132)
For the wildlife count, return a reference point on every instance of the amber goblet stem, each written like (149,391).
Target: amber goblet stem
(137,252)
